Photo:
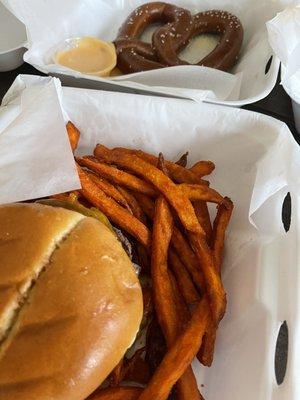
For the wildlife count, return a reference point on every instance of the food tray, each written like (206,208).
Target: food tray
(257,164)
(253,78)
(12,40)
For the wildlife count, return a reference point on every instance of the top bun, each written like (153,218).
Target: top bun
(70,303)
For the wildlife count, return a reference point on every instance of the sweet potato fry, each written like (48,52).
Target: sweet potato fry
(179,356)
(116,176)
(113,210)
(206,352)
(158,179)
(134,206)
(185,212)
(201,192)
(162,287)
(183,279)
(188,384)
(183,312)
(201,210)
(182,161)
(146,203)
(203,168)
(221,222)
(109,189)
(73,134)
(176,172)
(218,236)
(213,283)
(118,393)
(164,297)
(203,217)
(188,258)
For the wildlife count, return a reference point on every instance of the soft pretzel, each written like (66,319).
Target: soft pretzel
(135,55)
(225,54)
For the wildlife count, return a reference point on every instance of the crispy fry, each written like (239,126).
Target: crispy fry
(118,393)
(186,254)
(109,189)
(188,258)
(187,385)
(185,212)
(183,279)
(73,134)
(213,283)
(176,172)
(202,213)
(158,179)
(164,297)
(113,210)
(221,222)
(202,168)
(193,192)
(146,203)
(206,352)
(218,236)
(162,287)
(116,176)
(134,206)
(182,161)
(201,192)
(179,356)
(183,311)
(162,165)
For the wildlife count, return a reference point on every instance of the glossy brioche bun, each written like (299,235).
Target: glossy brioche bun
(70,303)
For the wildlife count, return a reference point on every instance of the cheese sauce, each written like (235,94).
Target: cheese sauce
(89,56)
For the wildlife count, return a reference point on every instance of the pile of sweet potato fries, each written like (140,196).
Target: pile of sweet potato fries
(162,205)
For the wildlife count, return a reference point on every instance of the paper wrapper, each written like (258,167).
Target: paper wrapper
(35,156)
(284,37)
(257,163)
(49,23)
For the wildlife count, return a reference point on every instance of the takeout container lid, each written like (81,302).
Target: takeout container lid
(12,40)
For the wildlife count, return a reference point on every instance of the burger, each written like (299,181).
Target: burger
(70,302)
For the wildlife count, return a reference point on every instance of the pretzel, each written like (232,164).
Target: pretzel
(135,55)
(225,54)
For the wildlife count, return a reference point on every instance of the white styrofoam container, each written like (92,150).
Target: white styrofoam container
(50,22)
(257,163)
(12,40)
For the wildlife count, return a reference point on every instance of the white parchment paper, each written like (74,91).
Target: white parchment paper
(284,37)
(35,156)
(50,22)
(257,163)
